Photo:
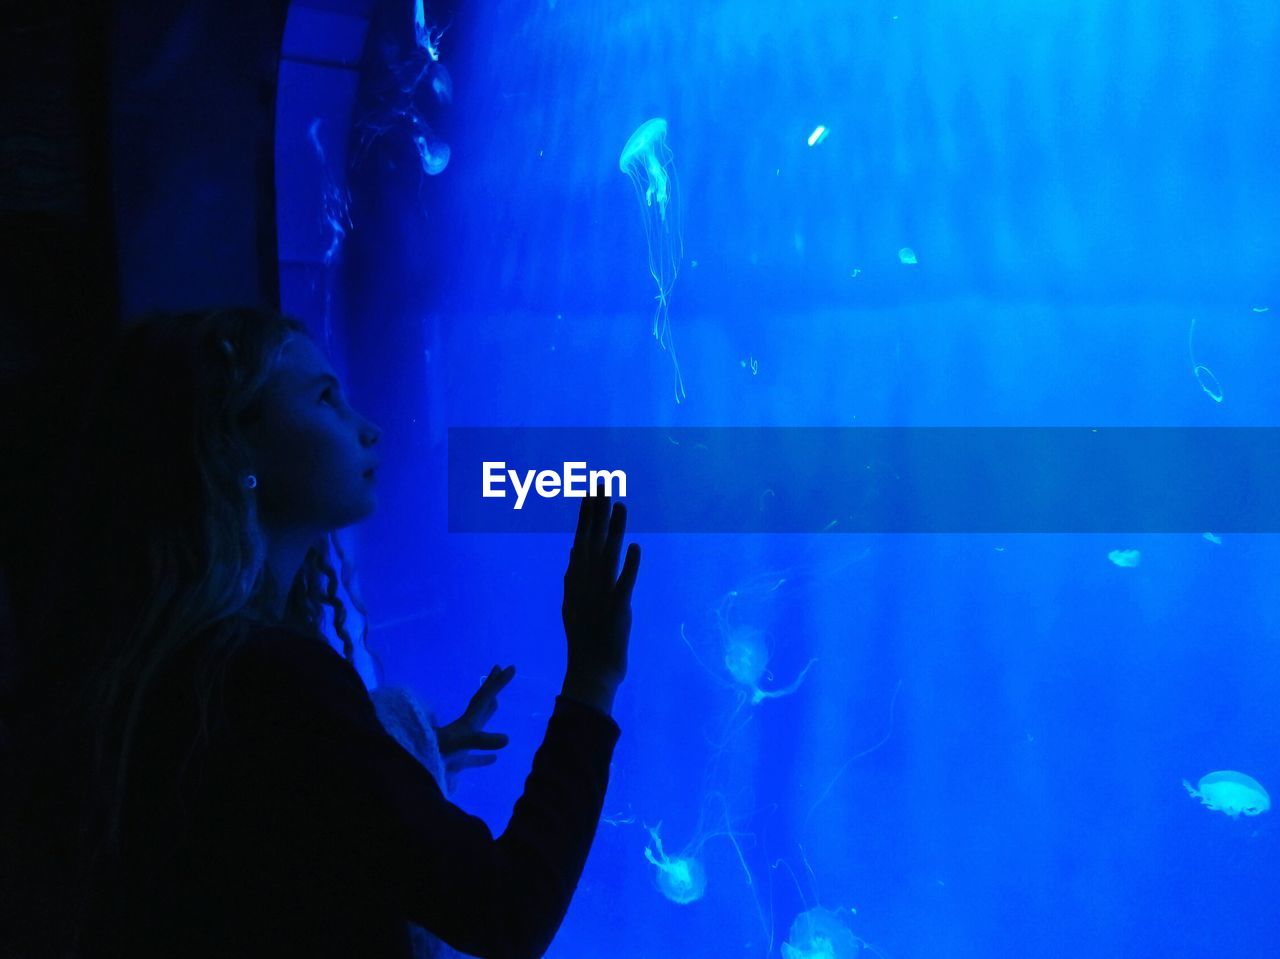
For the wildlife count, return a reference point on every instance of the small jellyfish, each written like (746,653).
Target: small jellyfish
(820,933)
(1204,376)
(432,152)
(1230,792)
(682,879)
(1214,539)
(746,658)
(1128,558)
(441,83)
(648,161)
(907,255)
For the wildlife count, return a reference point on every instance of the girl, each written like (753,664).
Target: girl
(203,774)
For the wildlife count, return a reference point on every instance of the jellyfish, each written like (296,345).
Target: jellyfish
(1127,558)
(746,658)
(682,878)
(433,153)
(820,933)
(648,161)
(1230,792)
(907,256)
(441,83)
(1204,376)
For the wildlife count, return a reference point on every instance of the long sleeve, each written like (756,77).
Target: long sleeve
(307,754)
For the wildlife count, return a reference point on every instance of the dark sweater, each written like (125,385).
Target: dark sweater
(303,829)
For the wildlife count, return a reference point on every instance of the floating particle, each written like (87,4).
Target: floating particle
(1261,309)
(1230,792)
(1216,540)
(908,256)
(856,272)
(818,135)
(1125,557)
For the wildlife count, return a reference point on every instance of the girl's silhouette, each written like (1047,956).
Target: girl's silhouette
(200,772)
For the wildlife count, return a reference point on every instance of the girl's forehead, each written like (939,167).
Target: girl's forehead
(300,361)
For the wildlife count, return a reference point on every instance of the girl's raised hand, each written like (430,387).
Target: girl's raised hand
(597,600)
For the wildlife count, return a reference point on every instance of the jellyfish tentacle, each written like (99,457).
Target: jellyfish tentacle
(763,694)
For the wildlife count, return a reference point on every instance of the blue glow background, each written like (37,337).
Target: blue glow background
(1079,181)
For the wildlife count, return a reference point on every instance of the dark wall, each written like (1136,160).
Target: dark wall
(136,173)
(57,272)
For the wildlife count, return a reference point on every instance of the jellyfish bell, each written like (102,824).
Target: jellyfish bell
(433,153)
(1230,792)
(746,657)
(645,158)
(441,83)
(820,933)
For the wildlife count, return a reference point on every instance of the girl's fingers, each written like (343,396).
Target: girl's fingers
(585,512)
(613,545)
(486,741)
(630,567)
(599,520)
(485,702)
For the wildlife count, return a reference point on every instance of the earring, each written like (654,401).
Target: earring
(251,481)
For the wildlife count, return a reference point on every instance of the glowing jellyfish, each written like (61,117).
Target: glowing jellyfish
(682,879)
(907,255)
(648,161)
(738,652)
(1230,792)
(1204,376)
(441,83)
(433,153)
(746,658)
(1127,558)
(820,933)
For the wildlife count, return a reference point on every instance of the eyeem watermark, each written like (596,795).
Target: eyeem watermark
(575,481)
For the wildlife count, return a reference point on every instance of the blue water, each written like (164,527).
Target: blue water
(986,758)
